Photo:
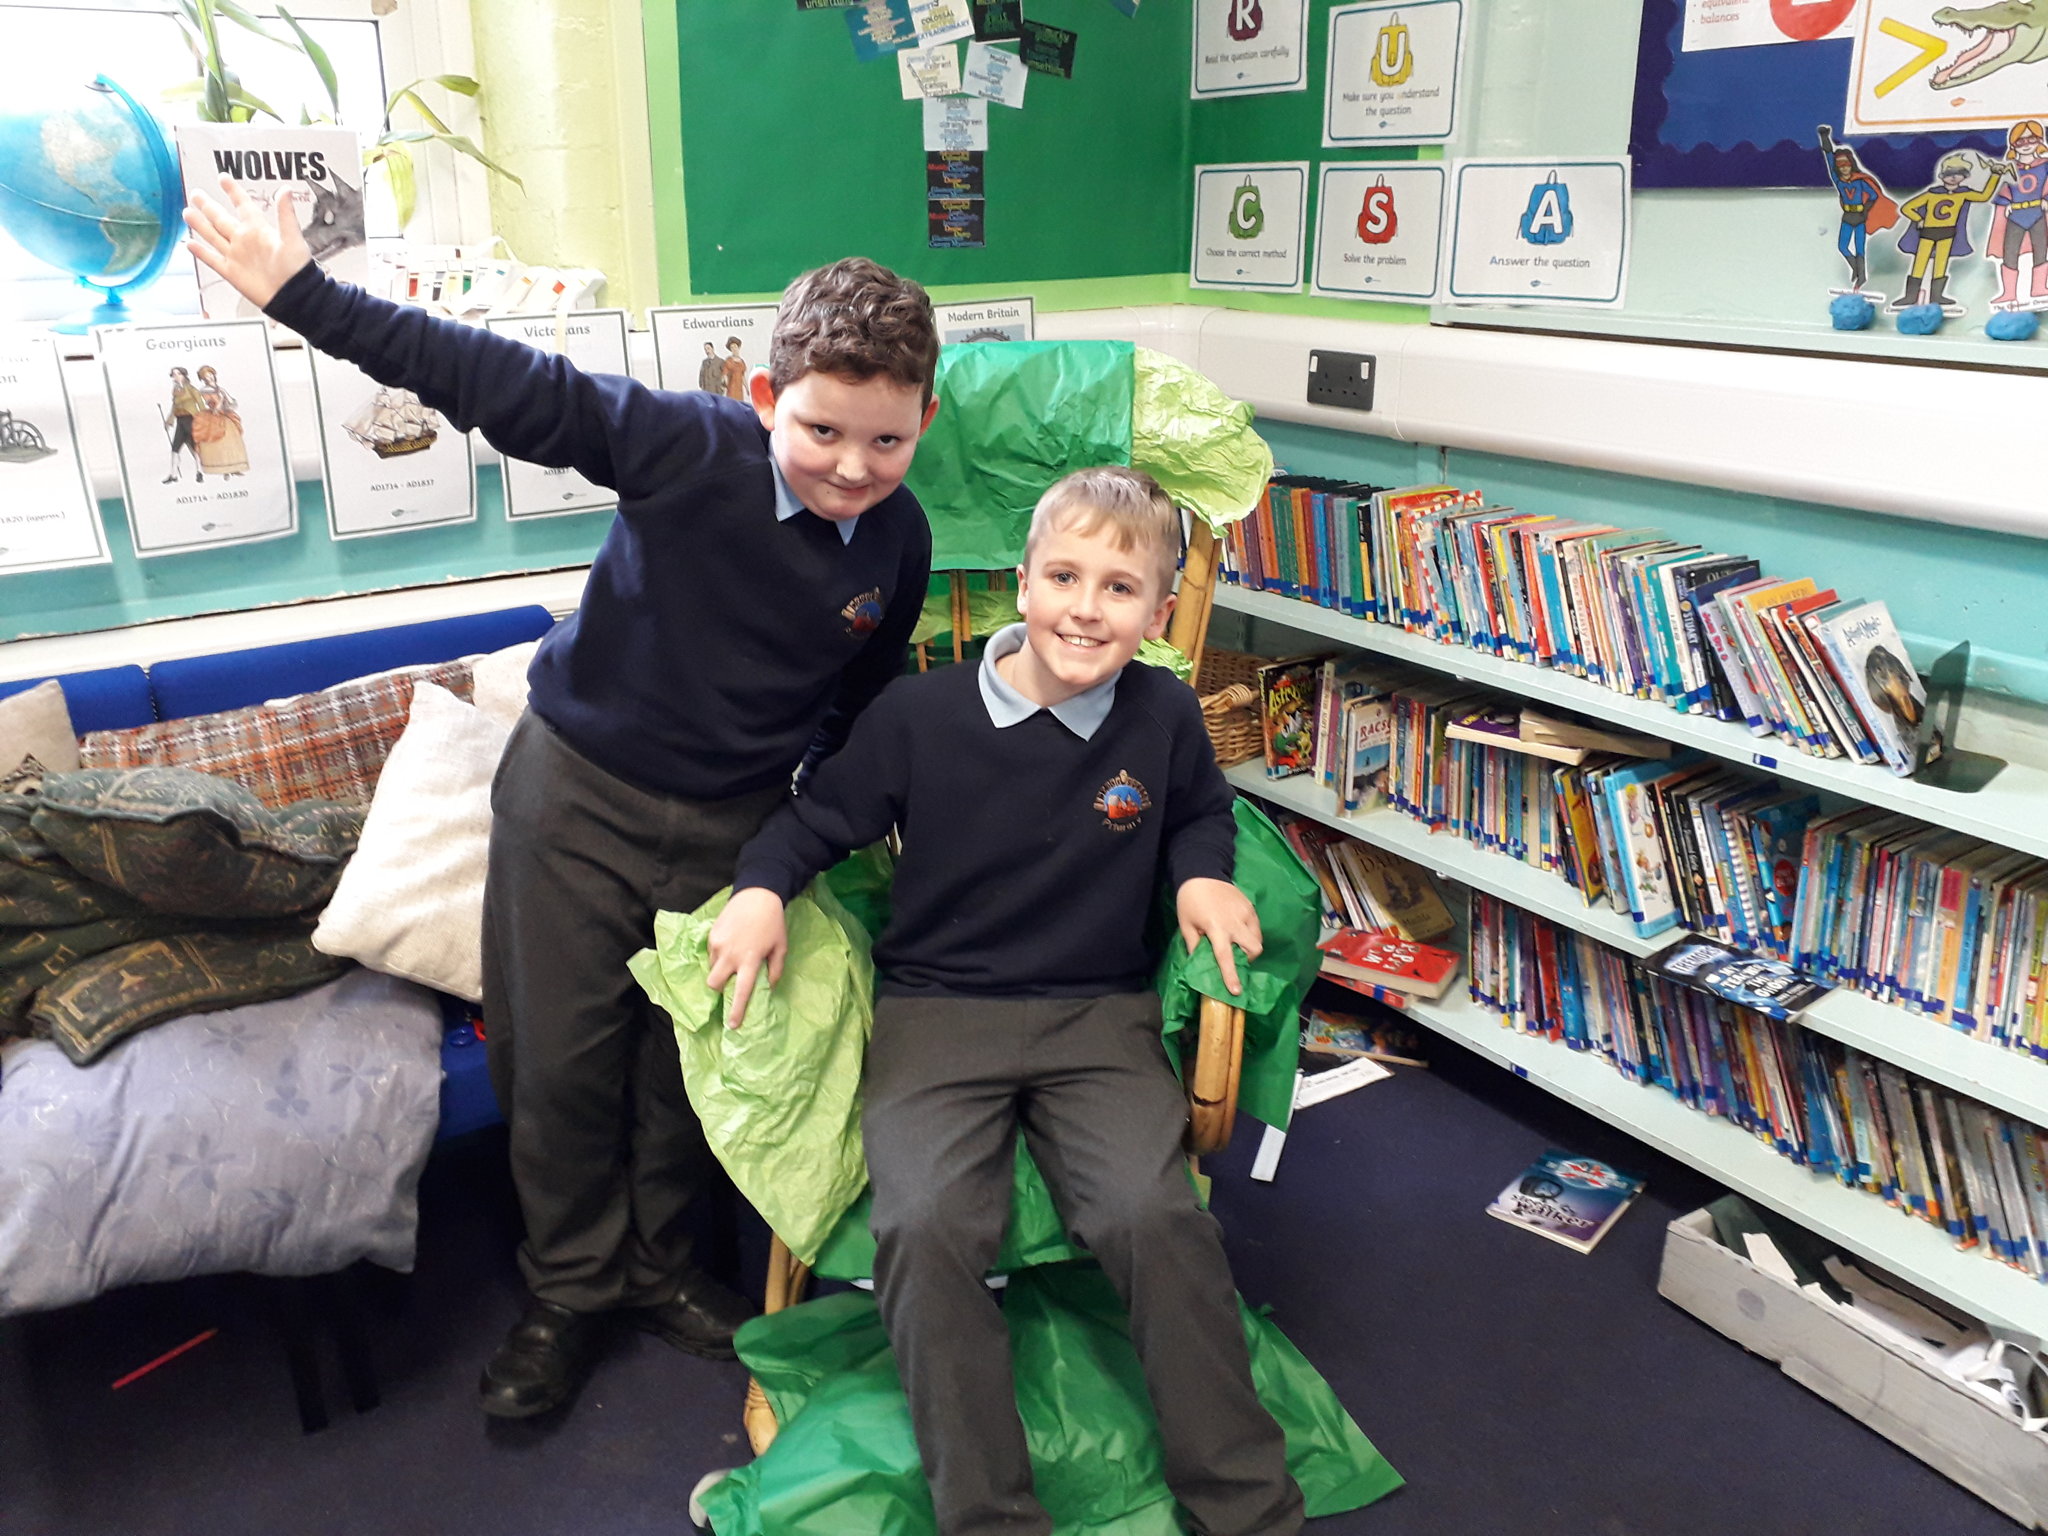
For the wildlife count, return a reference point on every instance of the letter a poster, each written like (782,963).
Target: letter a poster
(1539,232)
(595,341)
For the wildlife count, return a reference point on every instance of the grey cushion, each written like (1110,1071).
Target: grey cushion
(285,1138)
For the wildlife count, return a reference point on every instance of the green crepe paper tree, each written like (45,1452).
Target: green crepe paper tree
(222,98)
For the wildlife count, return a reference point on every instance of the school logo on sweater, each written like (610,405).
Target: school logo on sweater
(864,614)
(1122,802)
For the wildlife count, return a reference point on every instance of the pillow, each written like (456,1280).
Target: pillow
(32,958)
(36,887)
(99,1002)
(284,1138)
(501,681)
(329,745)
(411,901)
(180,841)
(35,723)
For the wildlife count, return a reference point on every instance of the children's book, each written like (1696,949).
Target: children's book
(1749,981)
(1327,1032)
(1570,1200)
(1867,655)
(1287,715)
(1403,890)
(1387,960)
(320,168)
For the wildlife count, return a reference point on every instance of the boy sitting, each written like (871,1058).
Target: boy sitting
(756,590)
(1039,796)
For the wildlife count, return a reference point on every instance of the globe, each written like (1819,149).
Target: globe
(88,183)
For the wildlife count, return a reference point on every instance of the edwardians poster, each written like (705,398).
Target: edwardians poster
(712,347)
(47,517)
(388,461)
(595,341)
(200,434)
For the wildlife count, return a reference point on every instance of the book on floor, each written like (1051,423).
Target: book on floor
(1570,1200)
(1327,1032)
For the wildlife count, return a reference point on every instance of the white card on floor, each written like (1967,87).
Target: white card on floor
(1327,1085)
(1267,1161)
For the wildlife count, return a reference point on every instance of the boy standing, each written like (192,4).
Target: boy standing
(1040,796)
(756,590)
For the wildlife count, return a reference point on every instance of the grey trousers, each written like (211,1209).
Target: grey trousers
(948,1084)
(606,1152)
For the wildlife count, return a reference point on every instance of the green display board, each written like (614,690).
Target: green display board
(795,152)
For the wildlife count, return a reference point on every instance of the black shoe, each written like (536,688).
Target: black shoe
(700,1319)
(542,1362)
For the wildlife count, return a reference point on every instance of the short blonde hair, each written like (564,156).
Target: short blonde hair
(1129,503)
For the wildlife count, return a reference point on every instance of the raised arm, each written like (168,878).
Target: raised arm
(532,404)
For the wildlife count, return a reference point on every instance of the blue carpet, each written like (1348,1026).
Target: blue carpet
(1522,1389)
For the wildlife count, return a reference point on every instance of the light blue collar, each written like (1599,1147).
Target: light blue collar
(787,506)
(1083,714)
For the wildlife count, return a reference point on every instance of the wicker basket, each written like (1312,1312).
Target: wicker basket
(1228,688)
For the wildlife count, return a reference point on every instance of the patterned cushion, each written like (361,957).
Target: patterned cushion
(99,1002)
(329,745)
(32,958)
(37,888)
(180,841)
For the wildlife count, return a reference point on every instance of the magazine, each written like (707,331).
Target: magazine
(1570,1200)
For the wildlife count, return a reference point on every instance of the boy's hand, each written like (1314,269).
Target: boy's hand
(256,253)
(748,934)
(1220,912)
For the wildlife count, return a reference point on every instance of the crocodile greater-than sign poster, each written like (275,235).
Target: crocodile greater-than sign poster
(1925,67)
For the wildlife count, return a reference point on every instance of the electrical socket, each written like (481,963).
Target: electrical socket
(1342,379)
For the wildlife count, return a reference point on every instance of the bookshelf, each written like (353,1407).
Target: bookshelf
(1991,1074)
(2008,811)
(1859,1222)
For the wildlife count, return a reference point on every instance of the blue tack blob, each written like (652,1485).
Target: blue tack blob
(1920,320)
(1851,312)
(2012,325)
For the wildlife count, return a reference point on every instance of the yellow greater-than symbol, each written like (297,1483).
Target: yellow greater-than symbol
(1931,48)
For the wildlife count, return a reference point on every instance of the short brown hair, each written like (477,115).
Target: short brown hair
(857,319)
(1128,502)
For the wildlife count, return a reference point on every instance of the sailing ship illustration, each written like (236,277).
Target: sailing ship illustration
(393,422)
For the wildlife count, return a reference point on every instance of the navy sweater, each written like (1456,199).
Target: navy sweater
(715,648)
(1031,858)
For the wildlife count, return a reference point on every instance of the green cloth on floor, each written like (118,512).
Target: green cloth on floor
(845,1459)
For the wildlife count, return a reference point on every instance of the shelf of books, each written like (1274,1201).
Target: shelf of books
(1861,1223)
(2002,1078)
(2011,810)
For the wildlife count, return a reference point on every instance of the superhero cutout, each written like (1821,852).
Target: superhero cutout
(1938,228)
(1865,209)
(2019,221)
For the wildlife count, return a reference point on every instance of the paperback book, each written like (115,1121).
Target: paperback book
(1749,981)
(1570,1200)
